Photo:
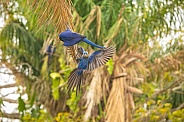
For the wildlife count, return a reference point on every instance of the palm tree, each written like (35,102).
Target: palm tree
(135,27)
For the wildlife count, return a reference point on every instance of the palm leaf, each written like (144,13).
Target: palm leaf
(54,12)
(15,36)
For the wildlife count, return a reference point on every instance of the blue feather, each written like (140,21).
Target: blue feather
(50,51)
(71,38)
(91,43)
(95,60)
(92,56)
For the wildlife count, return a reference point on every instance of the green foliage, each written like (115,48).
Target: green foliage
(55,75)
(67,117)
(65,69)
(1,103)
(44,69)
(73,102)
(59,80)
(158,106)
(43,116)
(177,116)
(55,84)
(21,104)
(156,111)
(177,98)
(148,88)
(14,35)
(55,91)
(110,65)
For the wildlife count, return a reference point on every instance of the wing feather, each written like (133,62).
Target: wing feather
(100,57)
(75,80)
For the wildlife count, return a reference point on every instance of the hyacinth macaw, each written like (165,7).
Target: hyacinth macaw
(71,38)
(86,64)
(50,51)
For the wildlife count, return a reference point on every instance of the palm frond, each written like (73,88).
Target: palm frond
(45,15)
(15,36)
(57,13)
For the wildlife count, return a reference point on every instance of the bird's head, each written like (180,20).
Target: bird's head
(85,54)
(64,35)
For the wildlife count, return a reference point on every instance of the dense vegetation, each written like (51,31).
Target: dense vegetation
(144,81)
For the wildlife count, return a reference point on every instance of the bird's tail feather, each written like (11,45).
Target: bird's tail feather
(92,43)
(75,81)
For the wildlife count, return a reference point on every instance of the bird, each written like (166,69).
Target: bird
(71,38)
(50,51)
(87,64)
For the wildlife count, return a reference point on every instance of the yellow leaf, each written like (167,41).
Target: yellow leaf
(150,102)
(168,105)
(163,110)
(55,75)
(177,113)
(44,66)
(158,102)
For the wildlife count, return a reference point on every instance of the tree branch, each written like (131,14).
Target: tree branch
(119,76)
(169,87)
(20,76)
(8,85)
(6,73)
(10,116)
(9,100)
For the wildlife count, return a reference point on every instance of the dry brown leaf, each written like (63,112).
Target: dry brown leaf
(131,101)
(98,20)
(116,110)
(97,89)
(134,90)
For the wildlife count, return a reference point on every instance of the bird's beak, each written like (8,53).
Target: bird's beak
(60,39)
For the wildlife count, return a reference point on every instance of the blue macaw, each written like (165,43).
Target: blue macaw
(50,51)
(71,38)
(86,64)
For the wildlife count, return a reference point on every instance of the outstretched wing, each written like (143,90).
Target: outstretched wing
(100,57)
(75,80)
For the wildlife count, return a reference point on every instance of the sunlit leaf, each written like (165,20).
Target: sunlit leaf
(55,88)
(72,102)
(110,65)
(55,75)
(177,113)
(1,102)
